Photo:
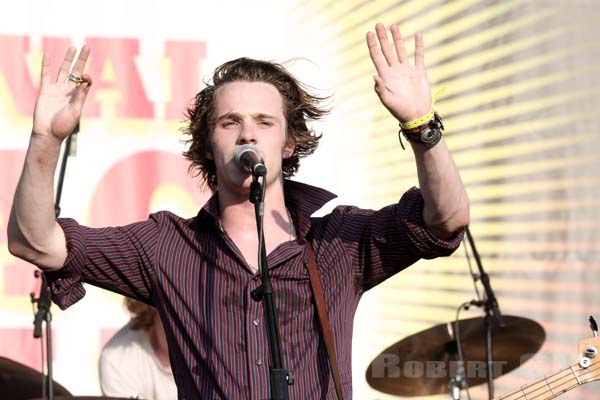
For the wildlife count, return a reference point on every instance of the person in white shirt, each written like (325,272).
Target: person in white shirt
(135,361)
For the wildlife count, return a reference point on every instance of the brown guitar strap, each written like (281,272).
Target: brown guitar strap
(315,283)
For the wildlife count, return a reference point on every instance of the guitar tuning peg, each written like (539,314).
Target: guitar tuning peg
(594,326)
(590,352)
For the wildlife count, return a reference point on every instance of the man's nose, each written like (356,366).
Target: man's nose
(247,134)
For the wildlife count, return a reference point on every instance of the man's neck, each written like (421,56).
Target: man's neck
(238,219)
(237,212)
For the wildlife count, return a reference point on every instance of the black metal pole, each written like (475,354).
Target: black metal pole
(489,360)
(43,314)
(49,374)
(280,377)
(68,151)
(485,281)
(490,307)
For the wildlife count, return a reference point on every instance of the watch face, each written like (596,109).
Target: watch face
(430,136)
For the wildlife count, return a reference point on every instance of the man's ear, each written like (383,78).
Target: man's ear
(289,148)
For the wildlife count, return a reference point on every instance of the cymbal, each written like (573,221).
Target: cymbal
(19,382)
(424,363)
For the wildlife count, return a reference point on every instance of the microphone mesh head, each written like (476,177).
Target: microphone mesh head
(248,158)
(245,148)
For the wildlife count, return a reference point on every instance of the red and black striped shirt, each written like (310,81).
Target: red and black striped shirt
(196,277)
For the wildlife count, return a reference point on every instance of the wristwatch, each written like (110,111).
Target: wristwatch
(428,134)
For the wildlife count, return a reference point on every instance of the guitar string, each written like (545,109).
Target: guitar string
(567,373)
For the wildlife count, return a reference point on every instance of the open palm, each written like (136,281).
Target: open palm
(403,88)
(59,104)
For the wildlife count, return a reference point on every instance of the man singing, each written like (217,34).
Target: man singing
(199,272)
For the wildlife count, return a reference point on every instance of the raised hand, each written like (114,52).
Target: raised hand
(403,88)
(59,104)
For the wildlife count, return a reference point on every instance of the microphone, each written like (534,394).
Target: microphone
(248,158)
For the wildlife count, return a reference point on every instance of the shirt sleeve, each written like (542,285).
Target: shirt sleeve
(386,241)
(117,258)
(426,244)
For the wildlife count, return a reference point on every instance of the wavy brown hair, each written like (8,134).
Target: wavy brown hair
(299,107)
(142,315)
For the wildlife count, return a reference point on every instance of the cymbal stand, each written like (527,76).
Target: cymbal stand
(458,380)
(492,311)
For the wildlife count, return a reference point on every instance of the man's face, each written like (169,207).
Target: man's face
(248,113)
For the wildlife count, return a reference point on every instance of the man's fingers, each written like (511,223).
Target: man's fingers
(87,79)
(419,50)
(45,72)
(81,92)
(386,48)
(379,85)
(375,53)
(81,61)
(399,44)
(65,67)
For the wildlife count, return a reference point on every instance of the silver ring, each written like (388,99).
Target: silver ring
(76,79)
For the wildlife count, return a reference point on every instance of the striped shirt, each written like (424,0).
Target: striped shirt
(196,277)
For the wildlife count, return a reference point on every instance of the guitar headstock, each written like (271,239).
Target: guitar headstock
(588,367)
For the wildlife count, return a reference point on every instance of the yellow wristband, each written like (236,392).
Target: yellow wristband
(427,117)
(418,122)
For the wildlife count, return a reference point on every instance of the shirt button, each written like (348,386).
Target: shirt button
(258,361)
(256,322)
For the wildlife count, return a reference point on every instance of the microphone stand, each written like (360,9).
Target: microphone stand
(279,376)
(44,302)
(43,314)
(458,381)
(491,307)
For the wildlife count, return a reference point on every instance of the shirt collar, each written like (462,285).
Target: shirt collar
(301,199)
